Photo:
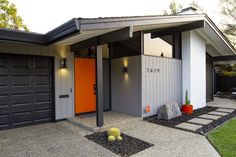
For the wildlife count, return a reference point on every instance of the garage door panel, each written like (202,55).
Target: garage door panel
(21,80)
(3,120)
(4,110)
(42,114)
(26,90)
(21,98)
(41,72)
(42,63)
(3,81)
(21,117)
(42,89)
(19,90)
(21,72)
(3,100)
(21,124)
(42,80)
(42,97)
(21,108)
(3,62)
(3,71)
(4,126)
(42,105)
(21,63)
(44,120)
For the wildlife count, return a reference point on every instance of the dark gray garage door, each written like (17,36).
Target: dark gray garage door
(26,90)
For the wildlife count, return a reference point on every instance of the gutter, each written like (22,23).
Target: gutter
(66,30)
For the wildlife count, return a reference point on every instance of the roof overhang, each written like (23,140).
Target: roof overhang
(90,28)
(216,42)
(78,30)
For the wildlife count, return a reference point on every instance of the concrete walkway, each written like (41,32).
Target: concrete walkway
(204,119)
(110,119)
(225,107)
(63,139)
(223,103)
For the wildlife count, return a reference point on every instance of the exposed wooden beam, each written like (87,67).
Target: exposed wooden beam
(178,29)
(177,53)
(224,58)
(118,35)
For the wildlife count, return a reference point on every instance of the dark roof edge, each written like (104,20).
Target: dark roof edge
(21,36)
(67,29)
(63,31)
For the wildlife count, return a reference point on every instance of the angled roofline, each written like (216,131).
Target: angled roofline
(65,30)
(77,25)
(220,33)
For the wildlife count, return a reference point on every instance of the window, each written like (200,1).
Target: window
(129,47)
(162,46)
(91,52)
(87,53)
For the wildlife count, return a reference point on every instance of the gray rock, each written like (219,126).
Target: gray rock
(169,111)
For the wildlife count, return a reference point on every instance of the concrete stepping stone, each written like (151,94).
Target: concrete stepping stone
(225,110)
(207,116)
(200,121)
(218,113)
(188,126)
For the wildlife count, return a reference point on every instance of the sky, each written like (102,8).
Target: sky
(42,16)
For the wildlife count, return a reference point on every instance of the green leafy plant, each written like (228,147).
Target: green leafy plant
(9,17)
(187,101)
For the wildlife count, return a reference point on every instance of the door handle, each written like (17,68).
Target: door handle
(94,89)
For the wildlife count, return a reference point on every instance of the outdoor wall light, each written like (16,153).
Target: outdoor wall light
(125,69)
(63,63)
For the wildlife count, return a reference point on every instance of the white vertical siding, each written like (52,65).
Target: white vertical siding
(194,68)
(64,79)
(159,88)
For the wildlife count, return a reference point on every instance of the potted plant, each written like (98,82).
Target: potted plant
(187,107)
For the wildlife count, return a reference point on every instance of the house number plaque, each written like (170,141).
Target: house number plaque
(153,70)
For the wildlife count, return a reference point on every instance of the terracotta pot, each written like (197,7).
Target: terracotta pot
(187,109)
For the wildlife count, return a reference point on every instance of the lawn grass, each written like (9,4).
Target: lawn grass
(224,139)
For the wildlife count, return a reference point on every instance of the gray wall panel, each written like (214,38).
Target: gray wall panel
(126,87)
(159,88)
(106,85)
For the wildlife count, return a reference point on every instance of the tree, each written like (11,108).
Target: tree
(228,9)
(9,17)
(196,5)
(175,7)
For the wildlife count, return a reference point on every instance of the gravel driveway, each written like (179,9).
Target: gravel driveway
(62,139)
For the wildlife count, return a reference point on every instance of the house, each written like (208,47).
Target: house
(122,64)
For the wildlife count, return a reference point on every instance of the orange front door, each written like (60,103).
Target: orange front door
(85,98)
